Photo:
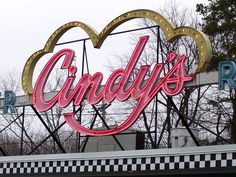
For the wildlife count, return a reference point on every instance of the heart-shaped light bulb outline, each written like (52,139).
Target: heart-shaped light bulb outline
(170,31)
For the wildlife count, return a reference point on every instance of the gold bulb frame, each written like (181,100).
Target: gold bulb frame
(170,31)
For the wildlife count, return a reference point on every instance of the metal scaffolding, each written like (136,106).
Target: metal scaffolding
(153,138)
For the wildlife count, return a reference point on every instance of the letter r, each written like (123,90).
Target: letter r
(227,72)
(9,101)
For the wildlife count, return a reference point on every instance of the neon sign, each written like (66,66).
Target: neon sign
(116,85)
(88,86)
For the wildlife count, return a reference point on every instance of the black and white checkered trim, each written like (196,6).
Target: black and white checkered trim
(152,163)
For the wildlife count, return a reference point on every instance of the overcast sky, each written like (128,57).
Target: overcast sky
(27,24)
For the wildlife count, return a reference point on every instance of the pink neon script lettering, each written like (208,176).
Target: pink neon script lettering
(117,87)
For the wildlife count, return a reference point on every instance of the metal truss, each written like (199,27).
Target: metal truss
(153,138)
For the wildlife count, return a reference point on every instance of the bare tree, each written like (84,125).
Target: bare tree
(22,132)
(194,106)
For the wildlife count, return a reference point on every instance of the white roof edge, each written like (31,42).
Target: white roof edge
(122,154)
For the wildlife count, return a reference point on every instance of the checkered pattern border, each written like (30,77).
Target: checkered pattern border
(158,163)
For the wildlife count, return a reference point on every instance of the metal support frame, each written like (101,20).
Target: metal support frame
(22,131)
(11,123)
(45,139)
(2,149)
(148,129)
(183,121)
(87,137)
(48,129)
(104,122)
(156,97)
(161,134)
(186,117)
(151,134)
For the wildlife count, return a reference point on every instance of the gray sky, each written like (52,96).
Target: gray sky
(27,24)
